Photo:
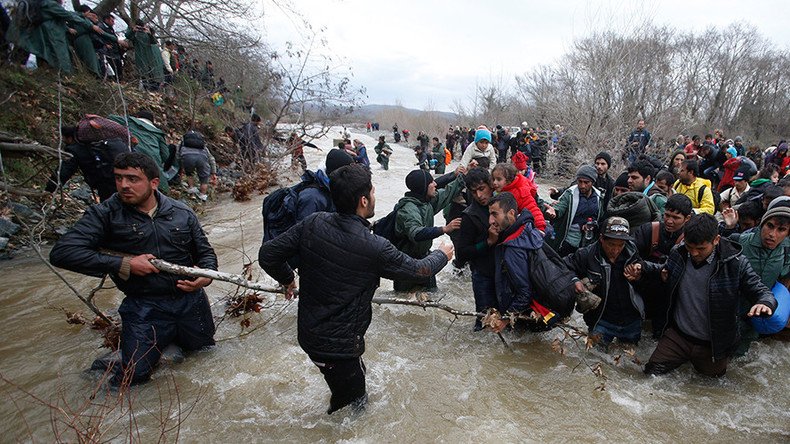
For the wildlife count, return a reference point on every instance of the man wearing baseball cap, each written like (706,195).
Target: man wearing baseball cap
(609,265)
(732,194)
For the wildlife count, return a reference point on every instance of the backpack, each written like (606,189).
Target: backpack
(27,14)
(385,227)
(104,153)
(655,228)
(279,209)
(93,128)
(551,280)
(194,139)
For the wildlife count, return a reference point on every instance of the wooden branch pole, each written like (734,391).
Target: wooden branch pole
(212,274)
(9,148)
(426,304)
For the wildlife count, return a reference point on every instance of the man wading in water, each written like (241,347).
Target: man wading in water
(341,263)
(159,308)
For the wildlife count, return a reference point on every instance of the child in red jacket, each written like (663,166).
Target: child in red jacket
(506,178)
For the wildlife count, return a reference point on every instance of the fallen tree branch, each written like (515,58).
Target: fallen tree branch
(426,304)
(212,274)
(27,192)
(31,148)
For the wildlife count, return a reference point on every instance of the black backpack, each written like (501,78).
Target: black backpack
(104,153)
(701,192)
(553,283)
(385,227)
(279,209)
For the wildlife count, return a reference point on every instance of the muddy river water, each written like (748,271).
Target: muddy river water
(429,378)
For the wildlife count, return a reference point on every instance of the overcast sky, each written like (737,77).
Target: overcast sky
(430,53)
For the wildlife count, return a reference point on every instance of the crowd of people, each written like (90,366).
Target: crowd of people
(627,250)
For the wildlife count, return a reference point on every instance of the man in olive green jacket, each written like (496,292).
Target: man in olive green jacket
(414,230)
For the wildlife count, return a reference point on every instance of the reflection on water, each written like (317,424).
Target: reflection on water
(429,376)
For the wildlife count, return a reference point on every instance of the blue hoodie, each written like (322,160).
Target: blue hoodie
(513,287)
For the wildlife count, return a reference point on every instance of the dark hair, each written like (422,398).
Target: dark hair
(784,182)
(666,176)
(701,228)
(168,42)
(477,176)
(140,161)
(644,168)
(483,162)
(768,170)
(436,139)
(145,114)
(780,219)
(679,203)
(708,136)
(693,166)
(771,192)
(108,16)
(68,131)
(506,202)
(695,138)
(255,118)
(751,209)
(347,185)
(508,169)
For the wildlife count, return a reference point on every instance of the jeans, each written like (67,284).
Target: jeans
(630,333)
(149,324)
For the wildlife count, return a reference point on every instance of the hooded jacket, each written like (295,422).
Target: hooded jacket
(732,278)
(522,190)
(470,242)
(511,256)
(416,213)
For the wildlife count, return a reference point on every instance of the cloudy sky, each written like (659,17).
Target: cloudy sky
(433,53)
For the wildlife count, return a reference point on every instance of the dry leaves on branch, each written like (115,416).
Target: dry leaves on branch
(248,303)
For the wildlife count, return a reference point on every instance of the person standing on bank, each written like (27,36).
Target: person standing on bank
(335,295)
(159,308)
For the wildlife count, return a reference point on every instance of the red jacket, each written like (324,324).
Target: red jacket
(730,167)
(524,193)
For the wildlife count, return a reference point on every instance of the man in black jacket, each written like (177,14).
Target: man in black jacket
(118,237)
(334,297)
(475,241)
(703,319)
(654,241)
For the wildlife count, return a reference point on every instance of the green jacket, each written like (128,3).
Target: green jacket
(83,45)
(48,40)
(415,214)
(770,265)
(147,57)
(566,209)
(151,142)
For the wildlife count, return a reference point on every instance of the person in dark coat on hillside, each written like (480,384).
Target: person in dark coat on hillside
(335,295)
(119,237)
(637,142)
(604,182)
(703,319)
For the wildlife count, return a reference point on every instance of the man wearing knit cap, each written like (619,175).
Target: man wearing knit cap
(481,147)
(768,250)
(414,229)
(604,182)
(577,205)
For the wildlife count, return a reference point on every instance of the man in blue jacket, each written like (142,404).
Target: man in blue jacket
(119,237)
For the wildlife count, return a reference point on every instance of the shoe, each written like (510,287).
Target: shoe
(587,301)
(203,197)
(192,190)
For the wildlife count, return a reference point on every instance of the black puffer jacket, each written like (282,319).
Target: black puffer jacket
(173,234)
(341,263)
(732,278)
(470,242)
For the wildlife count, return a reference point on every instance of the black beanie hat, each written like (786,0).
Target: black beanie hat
(606,157)
(622,180)
(417,182)
(336,159)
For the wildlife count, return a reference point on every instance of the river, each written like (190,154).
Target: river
(429,378)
